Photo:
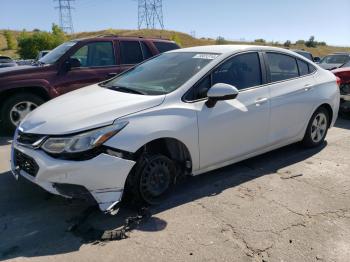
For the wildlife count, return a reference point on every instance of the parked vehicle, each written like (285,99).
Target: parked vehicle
(42,54)
(343,73)
(6,61)
(307,55)
(184,112)
(70,66)
(334,61)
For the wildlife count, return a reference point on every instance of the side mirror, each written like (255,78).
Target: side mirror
(71,63)
(220,92)
(317,59)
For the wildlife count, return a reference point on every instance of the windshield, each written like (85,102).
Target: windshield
(56,53)
(346,64)
(162,74)
(335,59)
(5,59)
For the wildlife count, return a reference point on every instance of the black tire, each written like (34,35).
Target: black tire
(11,102)
(309,140)
(151,179)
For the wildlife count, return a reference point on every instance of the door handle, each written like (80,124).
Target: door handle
(308,87)
(261,101)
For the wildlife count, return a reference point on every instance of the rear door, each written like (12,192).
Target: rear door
(97,63)
(291,86)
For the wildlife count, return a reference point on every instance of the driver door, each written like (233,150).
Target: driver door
(96,62)
(234,128)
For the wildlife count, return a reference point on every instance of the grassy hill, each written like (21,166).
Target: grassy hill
(184,39)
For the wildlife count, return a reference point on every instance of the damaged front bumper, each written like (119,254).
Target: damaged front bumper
(101,178)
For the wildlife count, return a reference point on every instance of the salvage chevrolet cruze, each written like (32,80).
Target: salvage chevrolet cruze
(184,112)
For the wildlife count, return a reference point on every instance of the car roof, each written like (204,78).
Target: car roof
(230,49)
(301,51)
(116,37)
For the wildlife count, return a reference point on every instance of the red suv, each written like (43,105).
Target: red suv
(72,65)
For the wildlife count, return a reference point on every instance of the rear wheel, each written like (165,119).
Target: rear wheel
(317,128)
(17,107)
(151,179)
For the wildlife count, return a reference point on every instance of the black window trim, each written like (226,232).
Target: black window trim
(263,70)
(142,51)
(269,82)
(97,67)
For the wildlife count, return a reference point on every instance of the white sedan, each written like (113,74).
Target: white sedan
(184,112)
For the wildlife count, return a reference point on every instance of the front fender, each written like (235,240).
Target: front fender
(144,127)
(25,85)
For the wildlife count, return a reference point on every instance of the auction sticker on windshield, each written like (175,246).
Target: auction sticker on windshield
(206,56)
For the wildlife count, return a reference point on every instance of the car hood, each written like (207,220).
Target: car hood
(84,109)
(15,68)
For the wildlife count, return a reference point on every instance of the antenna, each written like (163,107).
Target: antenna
(66,21)
(150,13)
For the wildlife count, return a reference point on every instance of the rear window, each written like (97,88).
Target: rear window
(165,46)
(130,52)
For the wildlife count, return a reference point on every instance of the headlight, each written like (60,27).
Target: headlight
(82,142)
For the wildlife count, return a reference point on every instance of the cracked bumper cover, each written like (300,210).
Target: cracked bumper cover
(103,176)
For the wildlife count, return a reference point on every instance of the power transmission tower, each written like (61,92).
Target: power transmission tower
(65,13)
(150,14)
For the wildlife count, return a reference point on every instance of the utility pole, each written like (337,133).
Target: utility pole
(150,14)
(65,13)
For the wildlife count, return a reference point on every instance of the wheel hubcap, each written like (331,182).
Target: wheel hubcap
(318,127)
(20,110)
(156,179)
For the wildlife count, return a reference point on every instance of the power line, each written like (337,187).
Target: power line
(150,14)
(65,14)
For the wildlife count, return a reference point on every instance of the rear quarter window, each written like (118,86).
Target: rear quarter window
(165,46)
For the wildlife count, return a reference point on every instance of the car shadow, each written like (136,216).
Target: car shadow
(34,223)
(342,123)
(5,141)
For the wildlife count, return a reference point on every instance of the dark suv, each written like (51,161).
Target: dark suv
(70,66)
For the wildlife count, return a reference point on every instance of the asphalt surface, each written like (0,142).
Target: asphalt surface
(287,205)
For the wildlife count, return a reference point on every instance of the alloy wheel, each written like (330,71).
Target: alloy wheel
(319,127)
(20,110)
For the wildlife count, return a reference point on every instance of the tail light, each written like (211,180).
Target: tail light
(338,81)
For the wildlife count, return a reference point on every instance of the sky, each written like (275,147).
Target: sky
(272,20)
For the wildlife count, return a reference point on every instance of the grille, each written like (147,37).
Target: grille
(25,163)
(27,139)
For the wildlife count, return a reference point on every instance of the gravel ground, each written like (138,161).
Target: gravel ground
(288,205)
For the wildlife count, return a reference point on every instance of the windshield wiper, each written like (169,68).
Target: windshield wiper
(127,90)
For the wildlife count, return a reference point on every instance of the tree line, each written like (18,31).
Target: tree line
(311,42)
(30,44)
